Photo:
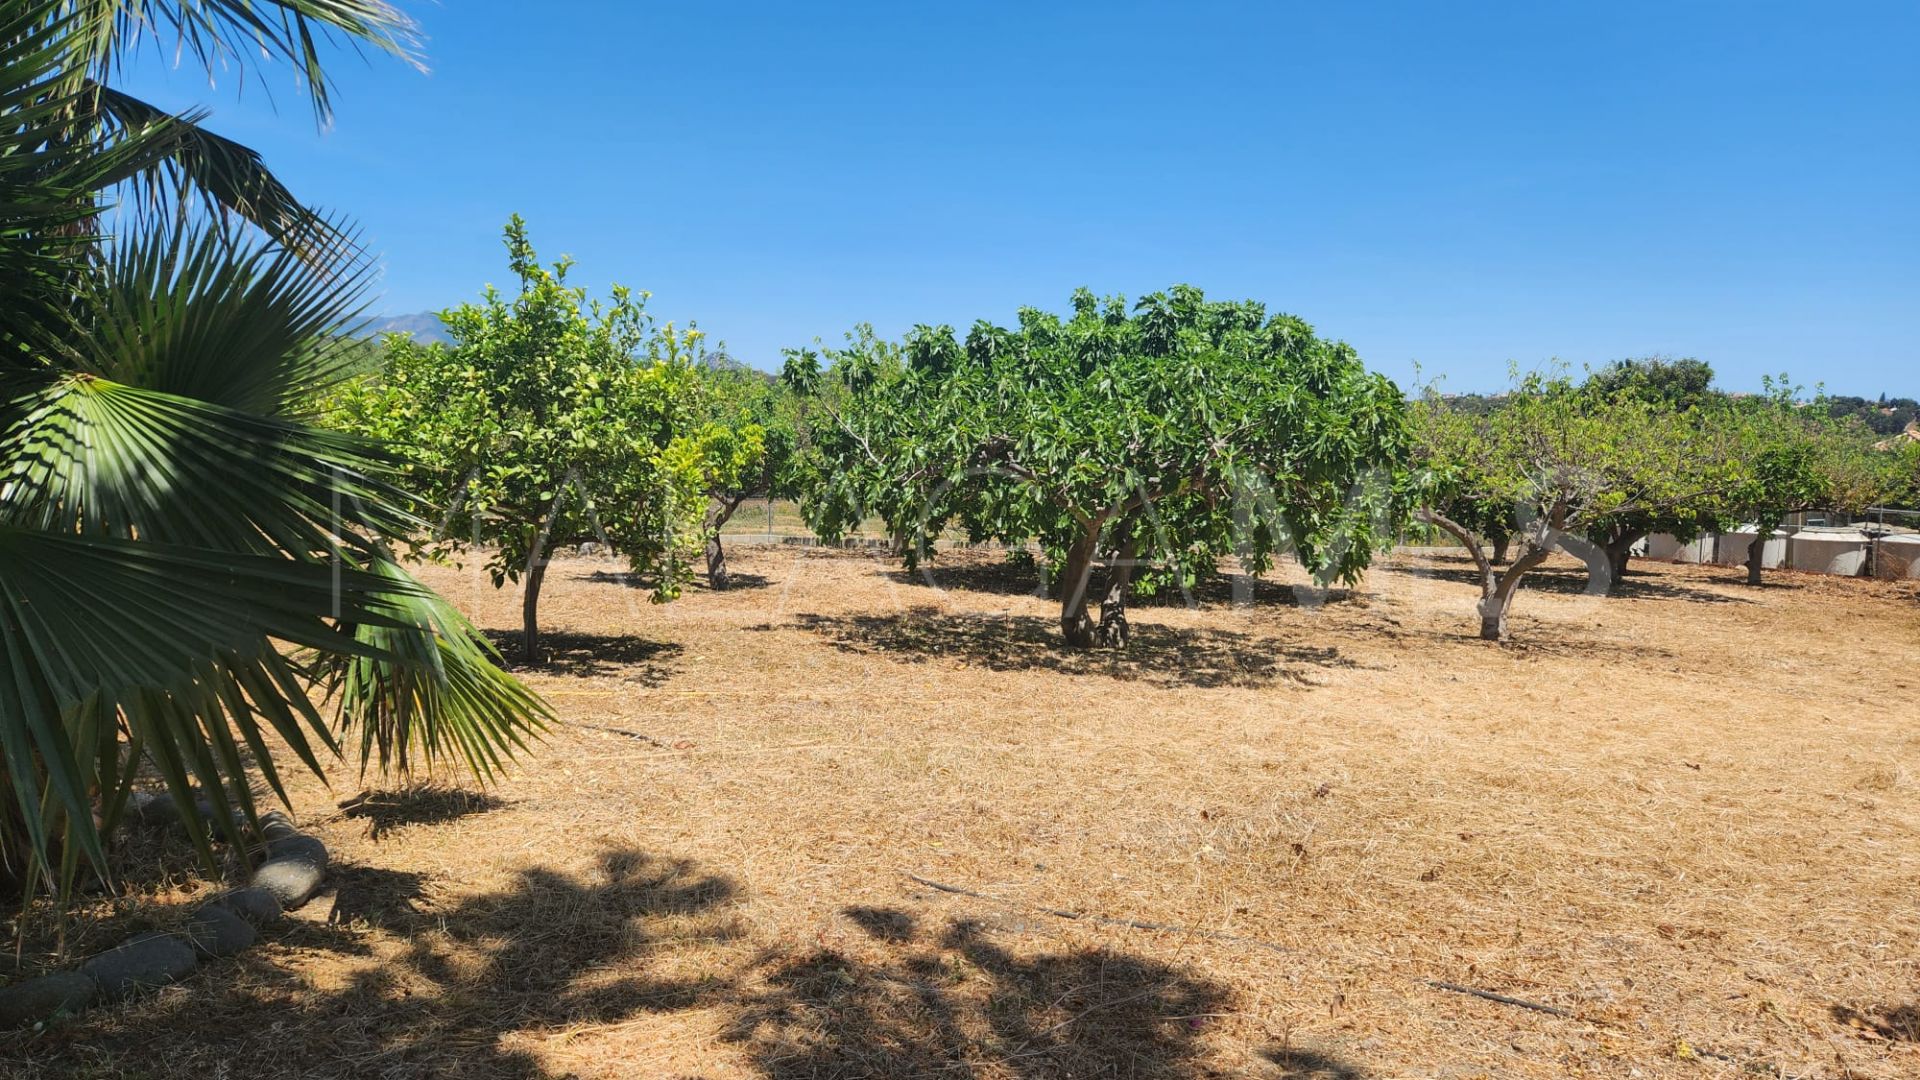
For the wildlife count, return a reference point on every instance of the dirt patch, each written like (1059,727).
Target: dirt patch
(1686,817)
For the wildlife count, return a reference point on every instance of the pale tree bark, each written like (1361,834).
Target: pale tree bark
(1618,551)
(1496,603)
(1497,588)
(1601,576)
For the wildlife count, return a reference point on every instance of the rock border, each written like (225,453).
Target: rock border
(294,870)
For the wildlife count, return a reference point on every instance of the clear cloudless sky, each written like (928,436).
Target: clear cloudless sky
(1455,186)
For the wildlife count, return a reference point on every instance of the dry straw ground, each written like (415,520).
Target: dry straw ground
(1685,818)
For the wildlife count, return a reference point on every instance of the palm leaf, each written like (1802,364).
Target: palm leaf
(201,313)
(80,454)
(429,691)
(46,177)
(167,532)
(166,646)
(221,32)
(183,158)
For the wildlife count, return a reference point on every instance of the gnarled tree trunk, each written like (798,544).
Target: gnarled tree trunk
(719,511)
(1113,630)
(1756,556)
(1618,549)
(1075,627)
(1499,546)
(1496,598)
(1498,589)
(1600,575)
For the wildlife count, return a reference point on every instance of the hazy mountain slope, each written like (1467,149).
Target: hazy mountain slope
(423,325)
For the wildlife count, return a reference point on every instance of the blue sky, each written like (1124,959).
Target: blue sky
(1457,186)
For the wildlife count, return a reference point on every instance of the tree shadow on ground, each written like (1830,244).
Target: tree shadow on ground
(954,1003)
(1001,577)
(373,896)
(1532,639)
(467,986)
(401,986)
(384,811)
(738,581)
(1296,1064)
(567,652)
(1562,580)
(1895,1023)
(975,573)
(1158,655)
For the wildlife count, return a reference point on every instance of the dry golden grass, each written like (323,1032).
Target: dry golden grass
(1686,817)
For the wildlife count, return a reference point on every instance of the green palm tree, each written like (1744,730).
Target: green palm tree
(193,580)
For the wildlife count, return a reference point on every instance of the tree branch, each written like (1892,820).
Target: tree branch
(1474,545)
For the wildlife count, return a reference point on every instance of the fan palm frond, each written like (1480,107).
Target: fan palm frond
(207,314)
(430,690)
(181,561)
(47,177)
(216,32)
(183,159)
(89,456)
(109,645)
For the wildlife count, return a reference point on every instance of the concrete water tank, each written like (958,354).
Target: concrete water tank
(1898,557)
(1830,551)
(1732,548)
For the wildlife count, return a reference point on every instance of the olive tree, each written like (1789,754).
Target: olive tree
(547,420)
(1144,444)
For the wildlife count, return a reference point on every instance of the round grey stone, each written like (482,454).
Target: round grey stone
(295,871)
(256,905)
(298,845)
(149,808)
(37,999)
(276,827)
(216,930)
(148,960)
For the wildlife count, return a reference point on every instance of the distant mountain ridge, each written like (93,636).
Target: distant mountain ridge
(722,361)
(425,326)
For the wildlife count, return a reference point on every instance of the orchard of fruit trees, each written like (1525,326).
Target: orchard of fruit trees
(1126,447)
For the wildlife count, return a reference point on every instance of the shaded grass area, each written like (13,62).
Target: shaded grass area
(1563,580)
(547,950)
(991,572)
(384,811)
(1157,656)
(569,653)
(475,985)
(698,584)
(950,1001)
